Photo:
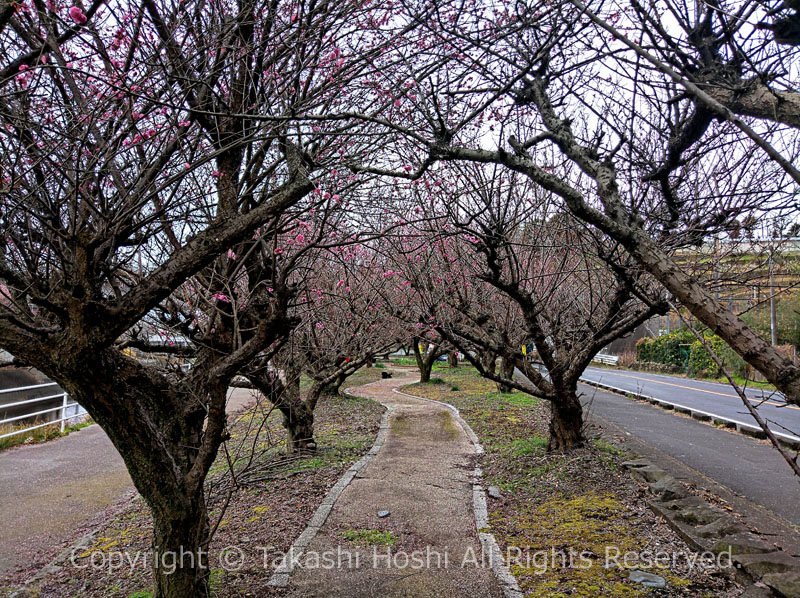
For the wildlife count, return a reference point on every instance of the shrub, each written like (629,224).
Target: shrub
(670,349)
(700,361)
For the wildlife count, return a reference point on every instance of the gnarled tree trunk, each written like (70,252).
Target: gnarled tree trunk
(424,363)
(168,464)
(489,362)
(298,420)
(452,359)
(566,422)
(180,556)
(507,372)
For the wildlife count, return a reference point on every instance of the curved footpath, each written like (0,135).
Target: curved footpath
(423,475)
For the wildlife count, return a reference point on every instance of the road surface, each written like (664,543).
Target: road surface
(710,397)
(50,491)
(749,467)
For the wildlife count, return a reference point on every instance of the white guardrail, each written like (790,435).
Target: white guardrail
(606,359)
(65,406)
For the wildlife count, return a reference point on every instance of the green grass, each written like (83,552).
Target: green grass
(516,399)
(528,446)
(437,381)
(405,361)
(371,537)
(42,434)
(607,447)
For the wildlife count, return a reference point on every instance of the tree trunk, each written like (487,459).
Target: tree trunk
(298,420)
(167,461)
(333,388)
(489,362)
(425,366)
(298,416)
(180,554)
(566,422)
(425,372)
(506,371)
(452,359)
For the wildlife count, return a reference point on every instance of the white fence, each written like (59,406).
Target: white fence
(606,359)
(64,409)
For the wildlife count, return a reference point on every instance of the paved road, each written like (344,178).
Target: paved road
(749,467)
(710,397)
(50,490)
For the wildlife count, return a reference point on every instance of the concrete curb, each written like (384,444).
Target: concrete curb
(709,529)
(788,440)
(280,577)
(489,547)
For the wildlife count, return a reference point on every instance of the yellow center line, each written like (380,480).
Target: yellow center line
(711,392)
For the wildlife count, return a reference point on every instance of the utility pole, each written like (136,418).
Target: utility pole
(773,316)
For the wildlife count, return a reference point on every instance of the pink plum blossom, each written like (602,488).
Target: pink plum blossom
(76,14)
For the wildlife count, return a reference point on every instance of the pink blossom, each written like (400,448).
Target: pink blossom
(300,238)
(231,254)
(221,297)
(77,15)
(340,284)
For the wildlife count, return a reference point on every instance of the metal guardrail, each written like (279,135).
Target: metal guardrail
(66,404)
(606,359)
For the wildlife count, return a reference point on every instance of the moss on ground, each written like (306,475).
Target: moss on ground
(370,537)
(562,514)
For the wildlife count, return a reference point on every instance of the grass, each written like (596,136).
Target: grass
(528,446)
(370,537)
(38,435)
(555,503)
(405,361)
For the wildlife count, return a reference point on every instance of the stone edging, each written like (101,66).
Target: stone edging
(508,584)
(280,577)
(706,527)
(792,442)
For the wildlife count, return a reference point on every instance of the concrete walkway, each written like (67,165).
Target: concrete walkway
(422,475)
(48,491)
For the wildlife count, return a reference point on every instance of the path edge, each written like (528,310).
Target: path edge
(506,580)
(280,577)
